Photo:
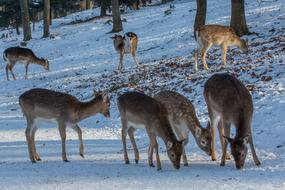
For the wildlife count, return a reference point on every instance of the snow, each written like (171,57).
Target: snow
(82,58)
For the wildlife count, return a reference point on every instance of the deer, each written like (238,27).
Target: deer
(43,105)
(26,56)
(230,103)
(183,119)
(223,36)
(126,44)
(140,111)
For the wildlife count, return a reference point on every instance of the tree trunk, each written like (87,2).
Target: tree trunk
(88,4)
(117,22)
(201,13)
(46,18)
(238,21)
(103,8)
(24,4)
(17,25)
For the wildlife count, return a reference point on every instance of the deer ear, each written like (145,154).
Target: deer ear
(105,97)
(96,94)
(198,132)
(228,139)
(113,37)
(169,145)
(245,139)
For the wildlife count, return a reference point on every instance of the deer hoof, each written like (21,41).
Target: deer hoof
(137,161)
(127,162)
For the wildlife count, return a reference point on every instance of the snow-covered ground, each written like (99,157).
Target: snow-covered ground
(82,58)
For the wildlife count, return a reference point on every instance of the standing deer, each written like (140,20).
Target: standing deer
(42,105)
(124,45)
(229,102)
(139,111)
(223,36)
(183,119)
(15,55)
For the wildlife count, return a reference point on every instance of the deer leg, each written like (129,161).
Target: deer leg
(124,140)
(196,54)
(7,74)
(132,138)
(10,67)
(150,154)
(224,130)
(155,145)
(214,121)
(121,61)
(135,59)
(26,69)
(204,53)
(62,132)
(34,150)
(185,162)
(255,158)
(224,54)
(28,133)
(77,129)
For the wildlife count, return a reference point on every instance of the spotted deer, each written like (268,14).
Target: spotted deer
(183,119)
(26,56)
(126,44)
(139,111)
(229,102)
(42,105)
(223,36)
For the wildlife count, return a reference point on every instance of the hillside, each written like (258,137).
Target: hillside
(82,58)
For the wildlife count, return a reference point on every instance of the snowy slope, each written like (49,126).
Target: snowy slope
(82,58)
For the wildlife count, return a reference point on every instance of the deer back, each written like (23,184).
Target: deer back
(181,113)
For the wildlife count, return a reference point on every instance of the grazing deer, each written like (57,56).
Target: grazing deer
(13,55)
(183,119)
(124,45)
(139,111)
(223,36)
(229,102)
(42,105)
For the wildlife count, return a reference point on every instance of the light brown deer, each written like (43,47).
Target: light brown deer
(126,44)
(183,119)
(42,105)
(229,102)
(223,36)
(26,56)
(139,111)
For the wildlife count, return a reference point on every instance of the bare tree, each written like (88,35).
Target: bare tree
(46,18)
(238,20)
(103,8)
(88,4)
(201,12)
(117,22)
(24,4)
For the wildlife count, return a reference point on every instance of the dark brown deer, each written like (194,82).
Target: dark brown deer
(126,44)
(139,111)
(183,119)
(229,102)
(42,105)
(26,56)
(223,36)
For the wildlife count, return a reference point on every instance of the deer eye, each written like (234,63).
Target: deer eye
(172,155)
(203,142)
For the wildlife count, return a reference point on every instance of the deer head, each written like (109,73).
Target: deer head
(174,151)
(204,138)
(238,149)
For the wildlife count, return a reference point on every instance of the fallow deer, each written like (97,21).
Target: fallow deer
(43,105)
(223,36)
(126,44)
(183,119)
(15,55)
(229,102)
(139,111)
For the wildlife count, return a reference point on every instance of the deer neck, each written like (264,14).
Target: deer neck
(39,61)
(167,133)
(87,109)
(192,124)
